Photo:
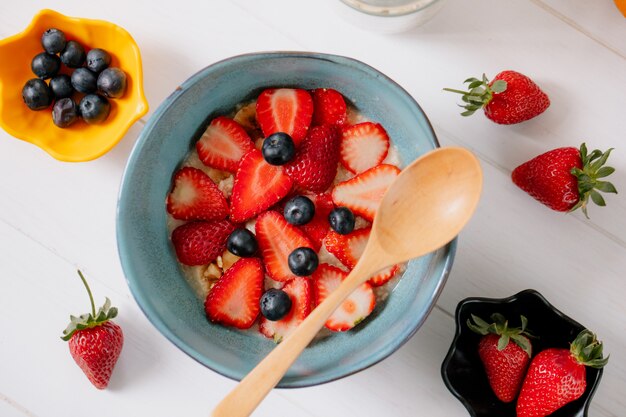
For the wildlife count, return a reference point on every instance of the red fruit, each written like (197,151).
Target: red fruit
(510,98)
(363,146)
(234,299)
(223,144)
(505,353)
(558,376)
(318,227)
(200,243)
(315,165)
(258,186)
(195,196)
(95,341)
(354,309)
(565,178)
(285,110)
(363,193)
(301,295)
(329,107)
(349,248)
(277,239)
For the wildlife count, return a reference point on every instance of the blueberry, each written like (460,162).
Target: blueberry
(275,304)
(45,65)
(73,55)
(61,86)
(36,94)
(64,112)
(84,81)
(278,148)
(341,220)
(94,108)
(112,82)
(98,60)
(53,41)
(299,210)
(242,242)
(303,261)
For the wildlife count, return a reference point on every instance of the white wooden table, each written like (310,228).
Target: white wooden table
(55,217)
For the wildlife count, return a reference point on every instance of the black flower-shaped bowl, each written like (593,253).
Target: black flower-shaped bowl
(463,372)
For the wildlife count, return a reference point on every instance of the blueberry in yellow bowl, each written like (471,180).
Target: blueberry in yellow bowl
(249,196)
(71,86)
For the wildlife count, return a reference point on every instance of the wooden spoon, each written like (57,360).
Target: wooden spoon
(425,208)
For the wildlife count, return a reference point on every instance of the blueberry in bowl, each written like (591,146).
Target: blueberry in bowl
(45,65)
(37,94)
(94,108)
(84,81)
(463,372)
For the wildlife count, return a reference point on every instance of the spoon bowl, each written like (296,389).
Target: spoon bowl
(425,208)
(443,186)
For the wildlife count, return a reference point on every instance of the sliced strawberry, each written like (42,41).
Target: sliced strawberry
(363,193)
(277,239)
(195,196)
(363,146)
(354,309)
(315,165)
(300,291)
(200,243)
(223,144)
(234,299)
(349,248)
(258,186)
(318,227)
(329,107)
(285,110)
(384,276)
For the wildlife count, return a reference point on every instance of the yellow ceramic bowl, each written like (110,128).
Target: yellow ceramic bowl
(81,141)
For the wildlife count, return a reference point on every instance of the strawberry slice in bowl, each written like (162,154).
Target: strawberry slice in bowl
(354,309)
(195,196)
(315,165)
(257,187)
(329,107)
(234,299)
(300,292)
(223,144)
(349,248)
(277,239)
(363,146)
(287,110)
(363,193)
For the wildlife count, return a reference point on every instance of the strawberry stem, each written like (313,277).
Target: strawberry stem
(93,306)
(89,320)
(479,93)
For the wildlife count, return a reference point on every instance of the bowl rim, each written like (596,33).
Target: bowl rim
(310,380)
(141,107)
(510,299)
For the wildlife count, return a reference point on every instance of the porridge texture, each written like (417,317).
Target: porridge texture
(319,148)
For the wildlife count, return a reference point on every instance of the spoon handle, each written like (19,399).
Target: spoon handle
(246,396)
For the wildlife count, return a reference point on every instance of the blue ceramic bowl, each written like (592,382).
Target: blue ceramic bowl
(148,258)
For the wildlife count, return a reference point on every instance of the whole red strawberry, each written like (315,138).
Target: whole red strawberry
(558,376)
(95,341)
(505,353)
(509,98)
(564,179)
